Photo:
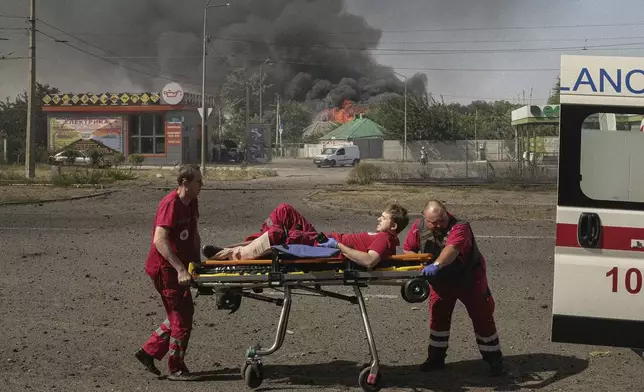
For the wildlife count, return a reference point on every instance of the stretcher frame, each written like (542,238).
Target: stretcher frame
(231,287)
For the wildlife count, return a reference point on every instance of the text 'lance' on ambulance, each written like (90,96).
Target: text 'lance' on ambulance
(602,80)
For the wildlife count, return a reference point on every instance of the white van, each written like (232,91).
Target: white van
(599,247)
(338,155)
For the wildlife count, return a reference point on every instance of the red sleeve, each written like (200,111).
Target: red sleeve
(382,244)
(165,214)
(412,241)
(460,237)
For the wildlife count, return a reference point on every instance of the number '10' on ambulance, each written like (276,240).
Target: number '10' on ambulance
(598,294)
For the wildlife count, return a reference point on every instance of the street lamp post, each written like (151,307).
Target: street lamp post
(204,112)
(261,113)
(405,144)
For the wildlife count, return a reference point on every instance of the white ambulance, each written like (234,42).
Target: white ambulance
(598,295)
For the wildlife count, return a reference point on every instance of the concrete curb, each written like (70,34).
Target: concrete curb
(13,203)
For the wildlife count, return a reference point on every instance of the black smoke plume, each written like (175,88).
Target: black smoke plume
(319,52)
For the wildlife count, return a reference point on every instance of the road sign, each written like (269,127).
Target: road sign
(201,112)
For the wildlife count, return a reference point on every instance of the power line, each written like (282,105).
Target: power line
(119,65)
(108,51)
(535,27)
(14,17)
(432,51)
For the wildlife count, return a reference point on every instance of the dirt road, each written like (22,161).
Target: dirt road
(76,304)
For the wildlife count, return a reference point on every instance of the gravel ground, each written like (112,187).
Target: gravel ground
(76,304)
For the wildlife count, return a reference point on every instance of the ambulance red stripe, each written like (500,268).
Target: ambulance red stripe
(612,237)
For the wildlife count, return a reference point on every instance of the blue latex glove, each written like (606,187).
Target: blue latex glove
(331,243)
(430,271)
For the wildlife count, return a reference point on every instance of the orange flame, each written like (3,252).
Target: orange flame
(342,115)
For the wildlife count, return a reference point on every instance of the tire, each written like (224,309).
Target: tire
(362,381)
(415,290)
(252,379)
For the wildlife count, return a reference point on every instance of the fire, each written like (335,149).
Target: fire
(342,115)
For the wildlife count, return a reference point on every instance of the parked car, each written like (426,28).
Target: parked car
(74,157)
(341,156)
(226,151)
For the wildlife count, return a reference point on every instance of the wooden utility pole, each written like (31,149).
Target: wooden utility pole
(30,161)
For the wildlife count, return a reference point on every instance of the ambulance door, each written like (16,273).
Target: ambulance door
(598,294)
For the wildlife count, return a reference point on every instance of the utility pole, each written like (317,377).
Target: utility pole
(247,121)
(476,140)
(204,111)
(30,161)
(261,87)
(277,122)
(219,124)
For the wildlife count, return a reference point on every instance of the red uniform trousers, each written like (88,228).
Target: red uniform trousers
(174,333)
(478,301)
(285,225)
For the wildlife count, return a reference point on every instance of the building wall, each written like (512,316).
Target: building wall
(182,135)
(491,150)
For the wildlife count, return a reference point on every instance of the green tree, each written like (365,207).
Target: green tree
(295,117)
(13,120)
(553,98)
(233,96)
(437,120)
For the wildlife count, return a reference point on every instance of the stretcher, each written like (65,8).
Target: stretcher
(229,281)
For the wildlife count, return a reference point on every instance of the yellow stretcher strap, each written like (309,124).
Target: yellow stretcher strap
(409,257)
(420,258)
(388,269)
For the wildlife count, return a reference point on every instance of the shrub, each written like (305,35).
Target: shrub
(136,159)
(364,174)
(96,157)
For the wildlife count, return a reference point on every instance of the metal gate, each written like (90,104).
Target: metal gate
(370,148)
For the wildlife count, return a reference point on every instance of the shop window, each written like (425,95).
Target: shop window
(147,134)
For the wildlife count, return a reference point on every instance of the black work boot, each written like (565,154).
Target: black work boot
(210,251)
(148,361)
(432,364)
(435,359)
(495,360)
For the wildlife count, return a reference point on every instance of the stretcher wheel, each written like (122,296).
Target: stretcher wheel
(415,290)
(363,381)
(253,378)
(229,301)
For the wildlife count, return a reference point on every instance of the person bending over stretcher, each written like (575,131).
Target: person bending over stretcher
(286,225)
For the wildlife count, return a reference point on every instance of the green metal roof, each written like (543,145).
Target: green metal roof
(359,128)
(319,128)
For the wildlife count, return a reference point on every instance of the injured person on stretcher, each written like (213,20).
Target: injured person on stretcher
(286,226)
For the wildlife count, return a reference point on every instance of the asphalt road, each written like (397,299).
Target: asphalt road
(76,304)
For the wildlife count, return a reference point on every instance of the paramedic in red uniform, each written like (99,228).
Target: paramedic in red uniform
(175,243)
(459,273)
(286,225)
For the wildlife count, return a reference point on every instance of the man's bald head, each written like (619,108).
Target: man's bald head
(435,214)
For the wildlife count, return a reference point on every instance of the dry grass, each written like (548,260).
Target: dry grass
(12,174)
(36,193)
(468,202)
(169,176)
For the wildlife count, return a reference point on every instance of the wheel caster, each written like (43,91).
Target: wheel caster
(253,374)
(415,290)
(367,383)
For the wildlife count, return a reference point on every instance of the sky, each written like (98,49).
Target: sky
(469,50)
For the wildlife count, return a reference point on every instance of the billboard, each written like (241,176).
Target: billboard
(259,143)
(107,130)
